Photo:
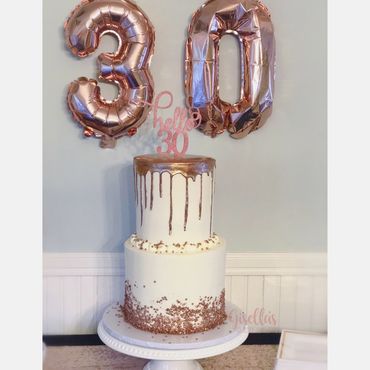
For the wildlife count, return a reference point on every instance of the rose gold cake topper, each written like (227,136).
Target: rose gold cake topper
(175,128)
(179,126)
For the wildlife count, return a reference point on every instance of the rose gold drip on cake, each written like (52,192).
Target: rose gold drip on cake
(160,184)
(136,190)
(145,192)
(151,190)
(171,205)
(141,201)
(186,203)
(190,166)
(212,190)
(201,197)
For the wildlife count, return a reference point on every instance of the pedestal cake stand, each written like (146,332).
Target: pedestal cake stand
(172,352)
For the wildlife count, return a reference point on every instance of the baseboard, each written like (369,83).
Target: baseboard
(276,290)
(94,340)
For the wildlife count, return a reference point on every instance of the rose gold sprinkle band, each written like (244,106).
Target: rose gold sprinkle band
(178,318)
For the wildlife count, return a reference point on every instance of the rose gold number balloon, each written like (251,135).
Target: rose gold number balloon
(250,21)
(128,67)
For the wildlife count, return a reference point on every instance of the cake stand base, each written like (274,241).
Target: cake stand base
(172,352)
(173,365)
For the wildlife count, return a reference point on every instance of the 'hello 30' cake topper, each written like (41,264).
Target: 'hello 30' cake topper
(174,131)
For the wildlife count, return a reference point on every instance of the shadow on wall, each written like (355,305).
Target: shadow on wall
(120,213)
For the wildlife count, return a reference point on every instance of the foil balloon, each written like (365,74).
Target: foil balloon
(250,21)
(128,68)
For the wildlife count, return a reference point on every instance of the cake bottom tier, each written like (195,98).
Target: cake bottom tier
(174,294)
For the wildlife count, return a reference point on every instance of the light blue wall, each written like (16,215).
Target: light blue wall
(270,186)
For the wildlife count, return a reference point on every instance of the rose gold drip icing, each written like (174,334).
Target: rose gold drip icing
(186,203)
(201,197)
(171,207)
(145,192)
(188,166)
(136,191)
(151,190)
(212,190)
(160,185)
(141,201)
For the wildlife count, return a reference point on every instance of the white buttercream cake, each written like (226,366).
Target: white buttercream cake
(174,264)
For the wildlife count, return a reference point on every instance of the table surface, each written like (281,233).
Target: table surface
(246,357)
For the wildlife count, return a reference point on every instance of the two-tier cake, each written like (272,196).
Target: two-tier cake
(174,264)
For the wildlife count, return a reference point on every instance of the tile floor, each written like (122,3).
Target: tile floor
(261,357)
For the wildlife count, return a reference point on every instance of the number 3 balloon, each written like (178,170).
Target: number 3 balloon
(128,67)
(250,21)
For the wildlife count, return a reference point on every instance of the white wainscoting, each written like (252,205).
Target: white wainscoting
(290,287)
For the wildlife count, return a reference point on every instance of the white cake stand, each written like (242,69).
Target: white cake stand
(172,352)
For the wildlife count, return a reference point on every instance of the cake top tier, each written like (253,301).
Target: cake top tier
(188,166)
(174,198)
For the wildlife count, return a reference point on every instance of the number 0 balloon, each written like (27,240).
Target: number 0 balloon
(250,21)
(128,68)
